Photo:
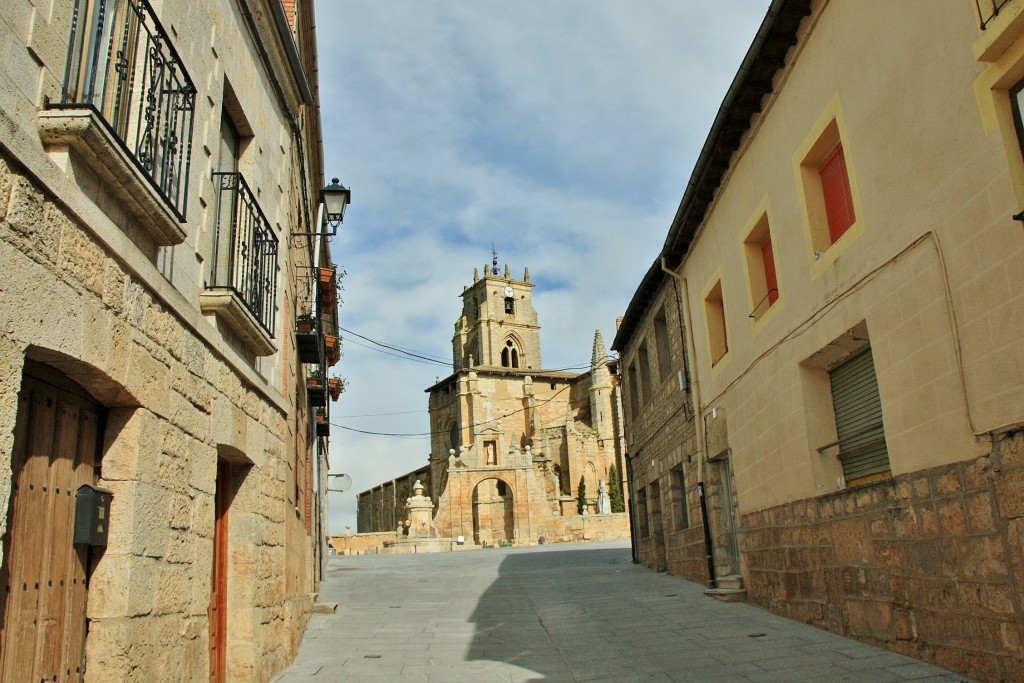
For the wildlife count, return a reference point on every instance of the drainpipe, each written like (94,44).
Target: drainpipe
(699,420)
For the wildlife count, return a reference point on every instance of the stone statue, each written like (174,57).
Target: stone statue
(604,503)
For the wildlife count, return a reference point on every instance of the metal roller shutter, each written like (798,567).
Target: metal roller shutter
(858,409)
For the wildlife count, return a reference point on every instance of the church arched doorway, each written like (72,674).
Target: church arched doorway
(493,513)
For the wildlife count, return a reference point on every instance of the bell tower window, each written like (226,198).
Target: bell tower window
(510,355)
(510,306)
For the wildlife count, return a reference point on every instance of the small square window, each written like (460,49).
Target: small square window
(760,259)
(835,189)
(828,189)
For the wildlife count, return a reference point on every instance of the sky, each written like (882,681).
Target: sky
(562,132)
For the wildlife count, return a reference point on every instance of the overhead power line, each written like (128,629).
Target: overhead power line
(423,357)
(427,435)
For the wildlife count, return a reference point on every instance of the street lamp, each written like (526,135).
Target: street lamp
(331,205)
(343,483)
(336,197)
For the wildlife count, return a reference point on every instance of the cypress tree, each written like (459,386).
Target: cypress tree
(581,496)
(615,490)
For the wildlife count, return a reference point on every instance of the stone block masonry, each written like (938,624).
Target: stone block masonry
(69,302)
(928,564)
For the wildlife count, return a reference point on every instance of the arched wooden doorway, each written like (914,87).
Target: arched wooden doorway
(44,576)
(494,519)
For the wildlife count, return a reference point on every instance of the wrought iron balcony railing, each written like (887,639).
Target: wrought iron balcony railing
(244,250)
(122,65)
(988,10)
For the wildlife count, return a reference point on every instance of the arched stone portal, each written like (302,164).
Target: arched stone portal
(494,519)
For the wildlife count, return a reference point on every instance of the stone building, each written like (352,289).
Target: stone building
(163,470)
(847,263)
(510,441)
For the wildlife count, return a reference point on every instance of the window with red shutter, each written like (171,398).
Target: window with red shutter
(835,186)
(771,285)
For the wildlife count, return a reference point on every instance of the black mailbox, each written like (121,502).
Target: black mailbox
(92,515)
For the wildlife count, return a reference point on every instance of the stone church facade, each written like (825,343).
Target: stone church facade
(511,442)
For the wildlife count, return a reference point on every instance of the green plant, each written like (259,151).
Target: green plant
(581,496)
(315,373)
(340,273)
(336,385)
(615,490)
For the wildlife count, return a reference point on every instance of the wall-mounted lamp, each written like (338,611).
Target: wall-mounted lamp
(336,198)
(333,201)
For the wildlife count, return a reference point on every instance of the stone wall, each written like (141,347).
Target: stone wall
(610,527)
(928,564)
(175,405)
(361,544)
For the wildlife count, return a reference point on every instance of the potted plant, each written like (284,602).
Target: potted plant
(333,345)
(305,323)
(335,385)
(315,378)
(323,427)
(327,275)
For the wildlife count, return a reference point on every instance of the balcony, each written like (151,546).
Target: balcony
(988,10)
(242,286)
(127,109)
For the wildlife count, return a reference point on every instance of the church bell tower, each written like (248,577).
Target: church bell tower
(498,327)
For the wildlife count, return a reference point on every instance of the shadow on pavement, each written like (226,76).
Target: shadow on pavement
(546,611)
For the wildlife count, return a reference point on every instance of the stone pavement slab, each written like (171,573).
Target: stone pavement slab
(569,613)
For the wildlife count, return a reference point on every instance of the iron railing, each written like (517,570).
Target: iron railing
(244,250)
(988,10)
(122,65)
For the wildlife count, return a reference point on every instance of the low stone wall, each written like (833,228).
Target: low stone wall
(929,564)
(361,544)
(570,529)
(573,528)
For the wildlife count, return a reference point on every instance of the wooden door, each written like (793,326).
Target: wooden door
(218,614)
(44,576)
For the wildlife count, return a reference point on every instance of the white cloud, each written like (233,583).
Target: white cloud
(562,132)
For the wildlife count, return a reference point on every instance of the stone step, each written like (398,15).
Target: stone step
(734,581)
(727,594)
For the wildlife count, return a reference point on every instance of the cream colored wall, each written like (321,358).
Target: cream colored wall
(934,198)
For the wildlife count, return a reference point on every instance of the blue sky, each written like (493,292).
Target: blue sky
(562,131)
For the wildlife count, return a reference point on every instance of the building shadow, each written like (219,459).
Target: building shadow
(546,612)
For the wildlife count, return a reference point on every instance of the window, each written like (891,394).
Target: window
(643,528)
(760,260)
(828,188)
(1017,103)
(835,189)
(770,282)
(682,510)
(510,355)
(453,436)
(714,311)
(510,306)
(858,413)
(645,370)
(661,345)
(633,384)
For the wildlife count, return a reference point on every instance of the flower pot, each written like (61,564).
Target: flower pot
(333,350)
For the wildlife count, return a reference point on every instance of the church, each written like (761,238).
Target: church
(512,443)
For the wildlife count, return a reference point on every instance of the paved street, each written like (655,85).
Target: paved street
(574,612)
